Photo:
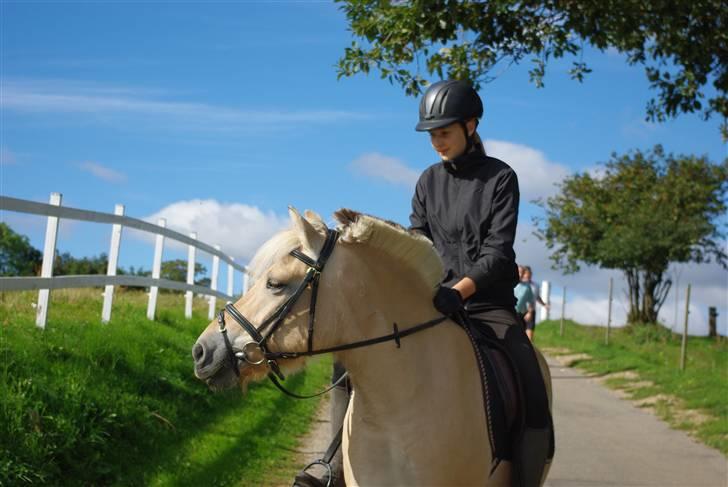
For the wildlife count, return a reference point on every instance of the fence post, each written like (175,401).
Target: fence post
(684,346)
(190,276)
(545,293)
(563,310)
(713,322)
(49,255)
(156,271)
(111,267)
(230,277)
(213,283)
(609,312)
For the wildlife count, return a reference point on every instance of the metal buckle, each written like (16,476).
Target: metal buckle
(245,354)
(221,320)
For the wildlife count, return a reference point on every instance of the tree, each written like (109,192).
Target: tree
(67,265)
(682,44)
(643,212)
(176,270)
(17,256)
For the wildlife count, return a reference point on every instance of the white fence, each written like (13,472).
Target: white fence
(54,211)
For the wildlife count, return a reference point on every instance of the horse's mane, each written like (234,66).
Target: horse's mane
(413,250)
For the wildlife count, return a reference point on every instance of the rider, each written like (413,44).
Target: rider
(467,204)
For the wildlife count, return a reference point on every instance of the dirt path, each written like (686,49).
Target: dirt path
(314,444)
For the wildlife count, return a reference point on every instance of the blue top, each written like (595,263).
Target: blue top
(524,295)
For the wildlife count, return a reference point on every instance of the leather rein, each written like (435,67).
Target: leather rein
(256,352)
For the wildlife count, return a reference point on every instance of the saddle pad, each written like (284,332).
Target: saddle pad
(501,395)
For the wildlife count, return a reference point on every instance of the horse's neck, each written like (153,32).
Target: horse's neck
(403,395)
(414,405)
(387,369)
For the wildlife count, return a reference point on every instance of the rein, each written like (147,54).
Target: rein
(256,352)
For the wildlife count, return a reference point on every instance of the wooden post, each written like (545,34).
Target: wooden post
(563,310)
(49,255)
(609,312)
(677,303)
(230,277)
(111,267)
(213,284)
(156,271)
(190,276)
(684,346)
(712,322)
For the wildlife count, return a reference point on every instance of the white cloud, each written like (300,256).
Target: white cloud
(64,97)
(386,168)
(102,172)
(238,228)
(537,176)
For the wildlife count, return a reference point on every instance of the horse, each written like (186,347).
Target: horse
(364,293)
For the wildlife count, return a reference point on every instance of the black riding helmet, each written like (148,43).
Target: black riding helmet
(446,102)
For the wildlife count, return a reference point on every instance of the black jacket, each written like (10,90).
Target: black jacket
(469,209)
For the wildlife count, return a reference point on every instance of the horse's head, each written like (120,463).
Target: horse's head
(226,352)
(374,265)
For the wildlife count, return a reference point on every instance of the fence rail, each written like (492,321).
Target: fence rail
(33,207)
(100,280)
(54,211)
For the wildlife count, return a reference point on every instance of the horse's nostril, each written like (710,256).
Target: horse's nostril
(198,352)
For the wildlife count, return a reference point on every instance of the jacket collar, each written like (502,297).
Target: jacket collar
(464,162)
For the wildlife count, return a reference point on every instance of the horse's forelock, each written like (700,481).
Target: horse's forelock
(274,249)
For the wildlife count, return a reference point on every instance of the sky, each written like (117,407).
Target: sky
(219,115)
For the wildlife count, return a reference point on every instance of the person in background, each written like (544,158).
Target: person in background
(524,300)
(531,321)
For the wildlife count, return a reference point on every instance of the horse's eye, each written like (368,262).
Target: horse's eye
(273,284)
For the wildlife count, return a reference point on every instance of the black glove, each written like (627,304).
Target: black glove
(448,301)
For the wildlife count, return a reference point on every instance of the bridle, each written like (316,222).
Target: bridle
(257,351)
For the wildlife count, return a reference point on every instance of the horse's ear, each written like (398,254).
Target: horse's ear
(315,220)
(310,237)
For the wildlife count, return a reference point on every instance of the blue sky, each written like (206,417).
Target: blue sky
(219,115)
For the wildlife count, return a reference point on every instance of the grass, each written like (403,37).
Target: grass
(117,404)
(653,353)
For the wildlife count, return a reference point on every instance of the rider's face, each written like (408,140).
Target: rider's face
(449,141)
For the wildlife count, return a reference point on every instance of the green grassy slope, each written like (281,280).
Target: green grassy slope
(91,404)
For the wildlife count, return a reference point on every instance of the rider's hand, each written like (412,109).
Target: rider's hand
(448,301)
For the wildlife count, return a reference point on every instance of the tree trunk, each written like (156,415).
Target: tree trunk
(647,293)
(633,281)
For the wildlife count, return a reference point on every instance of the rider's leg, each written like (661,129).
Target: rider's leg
(533,443)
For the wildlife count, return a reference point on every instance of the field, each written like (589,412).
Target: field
(644,362)
(118,404)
